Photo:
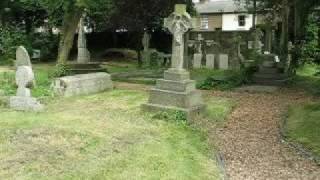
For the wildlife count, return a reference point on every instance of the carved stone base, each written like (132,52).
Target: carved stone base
(25,104)
(175,92)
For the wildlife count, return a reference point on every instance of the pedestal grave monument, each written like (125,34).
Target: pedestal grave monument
(176,91)
(83,52)
(83,65)
(23,101)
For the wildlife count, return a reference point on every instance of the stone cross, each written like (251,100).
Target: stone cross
(178,23)
(83,53)
(199,40)
(146,41)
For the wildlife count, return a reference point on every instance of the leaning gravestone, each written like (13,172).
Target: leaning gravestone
(24,80)
(176,91)
(197,58)
(210,61)
(223,61)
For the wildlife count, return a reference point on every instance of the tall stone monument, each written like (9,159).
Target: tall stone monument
(24,80)
(83,53)
(146,53)
(176,91)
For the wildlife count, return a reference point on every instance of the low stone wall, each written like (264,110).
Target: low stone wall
(82,84)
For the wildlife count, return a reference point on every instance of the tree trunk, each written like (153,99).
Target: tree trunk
(1,24)
(269,39)
(254,14)
(284,30)
(70,24)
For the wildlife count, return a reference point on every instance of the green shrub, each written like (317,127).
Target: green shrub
(10,38)
(227,80)
(7,83)
(310,50)
(47,43)
(13,36)
(61,70)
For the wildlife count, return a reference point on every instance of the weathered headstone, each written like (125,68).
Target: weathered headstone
(22,57)
(223,61)
(210,61)
(24,80)
(197,59)
(83,53)
(176,91)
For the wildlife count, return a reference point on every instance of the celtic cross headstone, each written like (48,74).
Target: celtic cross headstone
(178,23)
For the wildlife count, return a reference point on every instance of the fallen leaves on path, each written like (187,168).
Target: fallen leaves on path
(250,140)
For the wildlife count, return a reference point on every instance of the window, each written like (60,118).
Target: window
(242,20)
(204,24)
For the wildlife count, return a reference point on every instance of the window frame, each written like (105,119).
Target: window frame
(204,23)
(242,22)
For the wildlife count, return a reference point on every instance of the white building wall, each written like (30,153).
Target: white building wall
(230,22)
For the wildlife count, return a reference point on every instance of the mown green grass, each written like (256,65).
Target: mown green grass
(308,78)
(102,136)
(303,126)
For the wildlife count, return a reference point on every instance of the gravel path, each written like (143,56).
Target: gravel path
(250,141)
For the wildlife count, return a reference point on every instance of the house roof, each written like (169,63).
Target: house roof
(220,6)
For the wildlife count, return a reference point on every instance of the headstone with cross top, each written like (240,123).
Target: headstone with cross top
(178,23)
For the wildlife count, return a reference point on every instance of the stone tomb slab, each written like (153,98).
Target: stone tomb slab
(82,84)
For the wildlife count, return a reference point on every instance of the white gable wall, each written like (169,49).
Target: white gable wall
(230,22)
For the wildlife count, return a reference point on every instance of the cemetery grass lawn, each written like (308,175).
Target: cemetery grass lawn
(103,136)
(303,126)
(308,78)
